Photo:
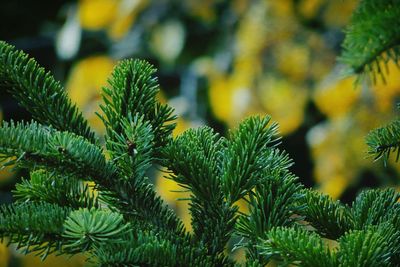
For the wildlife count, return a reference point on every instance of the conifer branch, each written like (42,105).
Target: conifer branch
(371,206)
(36,146)
(147,249)
(385,140)
(297,246)
(132,149)
(86,228)
(133,226)
(373,246)
(247,150)
(368,247)
(39,93)
(138,201)
(273,203)
(137,127)
(331,218)
(390,227)
(51,188)
(132,92)
(195,159)
(33,227)
(373,37)
(139,250)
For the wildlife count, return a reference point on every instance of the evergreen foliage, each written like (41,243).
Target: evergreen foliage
(86,228)
(372,40)
(121,221)
(51,188)
(373,37)
(39,93)
(331,218)
(34,227)
(385,140)
(297,246)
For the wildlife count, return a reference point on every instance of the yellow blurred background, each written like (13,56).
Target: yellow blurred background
(220,61)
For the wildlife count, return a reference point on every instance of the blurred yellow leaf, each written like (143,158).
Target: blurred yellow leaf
(31,260)
(120,26)
(282,8)
(336,98)
(6,175)
(125,17)
(322,57)
(4,254)
(202,9)
(310,8)
(97,14)
(229,102)
(242,205)
(251,34)
(115,16)
(220,95)
(240,6)
(328,142)
(167,40)
(337,13)
(284,101)
(181,126)
(334,186)
(293,61)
